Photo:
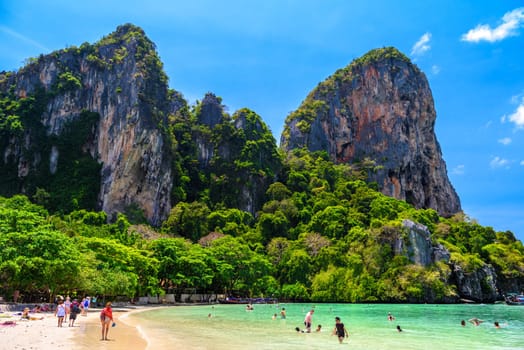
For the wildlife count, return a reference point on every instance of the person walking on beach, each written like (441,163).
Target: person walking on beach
(67,304)
(86,302)
(75,310)
(106,318)
(60,312)
(308,320)
(82,306)
(340,330)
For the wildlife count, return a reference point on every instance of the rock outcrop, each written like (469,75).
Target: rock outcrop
(479,285)
(379,108)
(121,79)
(416,245)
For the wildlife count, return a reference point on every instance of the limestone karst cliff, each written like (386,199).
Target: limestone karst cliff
(379,109)
(121,80)
(239,151)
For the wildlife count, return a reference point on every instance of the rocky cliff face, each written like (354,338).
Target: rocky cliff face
(479,285)
(121,79)
(379,108)
(417,245)
(227,152)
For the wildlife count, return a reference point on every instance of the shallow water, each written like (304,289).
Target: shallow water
(424,327)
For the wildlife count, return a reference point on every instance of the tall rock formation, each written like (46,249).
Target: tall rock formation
(237,153)
(119,78)
(378,108)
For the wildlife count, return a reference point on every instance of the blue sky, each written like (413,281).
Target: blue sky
(267,55)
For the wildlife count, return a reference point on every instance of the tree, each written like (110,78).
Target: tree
(237,265)
(188,220)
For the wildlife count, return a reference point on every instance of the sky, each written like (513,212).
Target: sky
(268,55)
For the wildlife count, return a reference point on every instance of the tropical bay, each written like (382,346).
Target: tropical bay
(425,326)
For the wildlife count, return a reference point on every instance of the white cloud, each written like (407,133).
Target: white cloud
(522,162)
(458,170)
(518,116)
(23,38)
(505,141)
(435,69)
(422,45)
(511,21)
(498,162)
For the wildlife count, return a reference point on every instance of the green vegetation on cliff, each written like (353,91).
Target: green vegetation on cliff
(322,235)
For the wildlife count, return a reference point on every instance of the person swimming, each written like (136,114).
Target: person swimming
(399,329)
(476,321)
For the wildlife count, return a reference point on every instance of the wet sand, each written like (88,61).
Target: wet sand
(122,336)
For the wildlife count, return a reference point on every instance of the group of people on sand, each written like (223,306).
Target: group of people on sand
(67,309)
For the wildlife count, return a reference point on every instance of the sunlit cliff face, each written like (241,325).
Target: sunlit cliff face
(382,110)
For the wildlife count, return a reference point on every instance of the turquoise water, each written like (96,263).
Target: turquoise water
(424,327)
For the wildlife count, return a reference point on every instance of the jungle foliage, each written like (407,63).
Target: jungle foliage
(322,235)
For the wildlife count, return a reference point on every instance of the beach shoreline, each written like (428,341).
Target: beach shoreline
(44,334)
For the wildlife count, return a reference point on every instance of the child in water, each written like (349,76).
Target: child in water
(340,330)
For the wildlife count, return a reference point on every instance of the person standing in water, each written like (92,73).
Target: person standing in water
(308,320)
(106,318)
(340,330)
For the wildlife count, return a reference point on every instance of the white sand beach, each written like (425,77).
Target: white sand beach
(85,335)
